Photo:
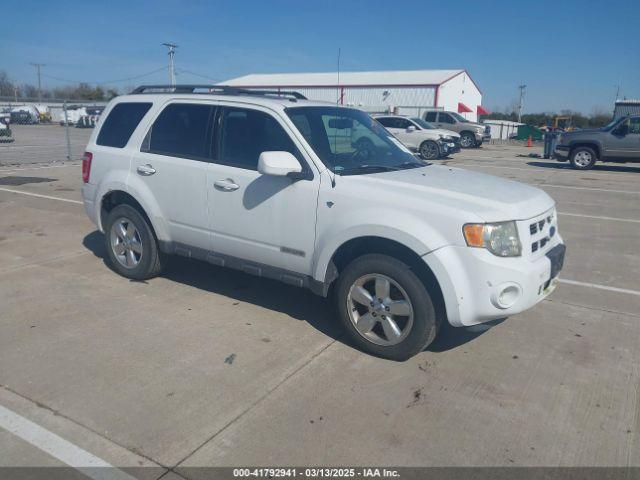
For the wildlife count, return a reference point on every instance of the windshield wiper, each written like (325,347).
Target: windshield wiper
(368,168)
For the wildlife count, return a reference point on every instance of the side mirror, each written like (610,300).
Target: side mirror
(278,164)
(411,128)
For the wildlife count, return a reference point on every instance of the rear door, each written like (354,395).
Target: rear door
(172,164)
(389,123)
(255,218)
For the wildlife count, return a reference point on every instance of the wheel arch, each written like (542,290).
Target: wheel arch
(595,146)
(113,198)
(358,246)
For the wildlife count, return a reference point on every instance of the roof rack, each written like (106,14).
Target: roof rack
(216,90)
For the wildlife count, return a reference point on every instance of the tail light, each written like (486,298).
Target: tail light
(86,166)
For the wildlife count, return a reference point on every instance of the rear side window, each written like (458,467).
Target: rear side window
(120,124)
(386,122)
(182,130)
(430,117)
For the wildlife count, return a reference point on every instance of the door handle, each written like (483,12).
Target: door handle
(227,185)
(146,170)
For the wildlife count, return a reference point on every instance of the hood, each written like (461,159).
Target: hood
(492,198)
(446,133)
(581,131)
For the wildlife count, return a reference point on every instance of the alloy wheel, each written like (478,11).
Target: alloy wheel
(126,243)
(466,141)
(380,309)
(582,158)
(429,150)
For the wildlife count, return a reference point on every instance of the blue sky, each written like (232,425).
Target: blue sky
(571,54)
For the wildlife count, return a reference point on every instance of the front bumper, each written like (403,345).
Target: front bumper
(448,147)
(482,137)
(478,286)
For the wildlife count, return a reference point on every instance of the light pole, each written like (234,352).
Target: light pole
(172,50)
(38,65)
(521,103)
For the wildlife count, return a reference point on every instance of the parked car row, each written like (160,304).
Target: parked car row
(437,134)
(80,116)
(5,128)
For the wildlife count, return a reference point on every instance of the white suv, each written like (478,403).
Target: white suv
(319,196)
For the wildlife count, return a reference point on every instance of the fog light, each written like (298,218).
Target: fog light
(506,295)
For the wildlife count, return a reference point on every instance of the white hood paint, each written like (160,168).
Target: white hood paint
(443,132)
(492,198)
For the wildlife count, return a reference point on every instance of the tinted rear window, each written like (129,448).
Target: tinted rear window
(182,130)
(120,124)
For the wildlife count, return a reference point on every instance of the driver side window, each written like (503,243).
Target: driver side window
(634,125)
(445,118)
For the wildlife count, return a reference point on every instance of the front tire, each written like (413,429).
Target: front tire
(467,140)
(385,308)
(132,247)
(583,158)
(429,150)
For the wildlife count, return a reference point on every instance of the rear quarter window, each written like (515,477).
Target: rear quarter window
(121,122)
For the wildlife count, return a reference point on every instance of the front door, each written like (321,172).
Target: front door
(260,218)
(173,164)
(624,140)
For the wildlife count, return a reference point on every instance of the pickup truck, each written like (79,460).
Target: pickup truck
(619,141)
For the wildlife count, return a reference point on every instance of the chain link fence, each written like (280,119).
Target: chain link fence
(48,131)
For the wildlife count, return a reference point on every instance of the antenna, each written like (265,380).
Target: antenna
(521,103)
(172,50)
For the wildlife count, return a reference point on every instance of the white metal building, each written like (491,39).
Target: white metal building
(502,129)
(405,92)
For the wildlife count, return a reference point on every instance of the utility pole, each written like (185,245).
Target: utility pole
(172,50)
(38,65)
(521,102)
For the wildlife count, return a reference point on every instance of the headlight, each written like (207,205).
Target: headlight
(479,129)
(501,239)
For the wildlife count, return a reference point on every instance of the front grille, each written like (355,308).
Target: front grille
(541,230)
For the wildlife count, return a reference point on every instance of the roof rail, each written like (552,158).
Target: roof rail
(216,90)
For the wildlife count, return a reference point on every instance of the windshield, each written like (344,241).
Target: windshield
(422,123)
(611,124)
(459,117)
(350,142)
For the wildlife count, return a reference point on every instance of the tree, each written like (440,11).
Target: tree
(111,93)
(7,88)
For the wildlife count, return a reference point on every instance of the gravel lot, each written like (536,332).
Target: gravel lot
(209,367)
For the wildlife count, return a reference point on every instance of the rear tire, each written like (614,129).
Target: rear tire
(385,308)
(583,158)
(132,247)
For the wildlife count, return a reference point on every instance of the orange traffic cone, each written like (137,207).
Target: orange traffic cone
(529,142)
